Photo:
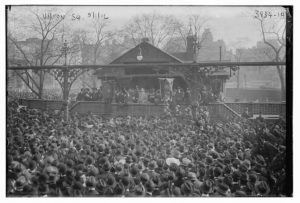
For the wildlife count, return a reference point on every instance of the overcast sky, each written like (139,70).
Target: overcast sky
(232,24)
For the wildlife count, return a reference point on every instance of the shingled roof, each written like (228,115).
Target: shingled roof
(150,53)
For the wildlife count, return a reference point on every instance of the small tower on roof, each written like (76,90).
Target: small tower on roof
(190,44)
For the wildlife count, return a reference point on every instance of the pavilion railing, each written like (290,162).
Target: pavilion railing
(266,108)
(221,110)
(117,109)
(41,104)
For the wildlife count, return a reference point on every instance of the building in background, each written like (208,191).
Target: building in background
(209,49)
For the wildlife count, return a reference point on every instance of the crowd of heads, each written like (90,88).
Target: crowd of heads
(171,155)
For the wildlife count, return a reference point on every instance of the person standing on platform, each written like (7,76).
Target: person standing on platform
(157,98)
(87,95)
(246,114)
(100,95)
(260,119)
(117,96)
(136,95)
(126,96)
(131,94)
(181,95)
(94,94)
(143,98)
(80,95)
(141,94)
(187,96)
(151,96)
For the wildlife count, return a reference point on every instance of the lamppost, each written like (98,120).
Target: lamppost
(64,50)
(139,57)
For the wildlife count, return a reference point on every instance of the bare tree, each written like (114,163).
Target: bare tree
(196,24)
(156,27)
(91,43)
(80,36)
(43,50)
(96,37)
(99,37)
(274,36)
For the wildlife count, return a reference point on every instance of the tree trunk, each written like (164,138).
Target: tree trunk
(193,85)
(194,93)
(282,82)
(41,85)
(281,77)
(95,55)
(283,93)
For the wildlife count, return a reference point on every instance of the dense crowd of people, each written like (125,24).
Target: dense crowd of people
(171,155)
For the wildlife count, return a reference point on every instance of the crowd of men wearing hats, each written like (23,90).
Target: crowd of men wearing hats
(166,156)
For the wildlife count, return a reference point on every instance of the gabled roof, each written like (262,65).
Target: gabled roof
(151,54)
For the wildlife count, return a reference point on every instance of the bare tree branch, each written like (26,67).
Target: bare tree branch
(27,83)
(264,36)
(40,23)
(276,50)
(42,54)
(20,49)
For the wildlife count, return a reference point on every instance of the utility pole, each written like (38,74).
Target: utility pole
(195,47)
(238,75)
(238,56)
(220,53)
(238,78)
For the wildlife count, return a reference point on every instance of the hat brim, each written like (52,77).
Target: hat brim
(205,191)
(169,161)
(221,191)
(265,193)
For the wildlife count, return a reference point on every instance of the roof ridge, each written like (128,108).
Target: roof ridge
(130,50)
